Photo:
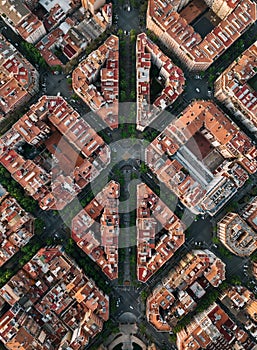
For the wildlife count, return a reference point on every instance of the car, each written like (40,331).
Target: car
(215,246)
(131,307)
(197,90)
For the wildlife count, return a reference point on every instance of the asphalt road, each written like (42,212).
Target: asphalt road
(127,20)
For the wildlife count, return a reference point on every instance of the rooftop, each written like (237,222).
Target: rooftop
(100,241)
(154,248)
(176,296)
(172,80)
(104,62)
(192,171)
(237,235)
(53,123)
(19,79)
(52,289)
(233,87)
(174,30)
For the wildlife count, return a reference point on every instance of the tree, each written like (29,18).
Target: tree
(144,295)
(69,81)
(132,95)
(39,226)
(132,35)
(143,168)
(215,240)
(123,84)
(123,96)
(70,247)
(120,33)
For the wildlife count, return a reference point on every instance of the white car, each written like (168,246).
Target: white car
(131,307)
(197,90)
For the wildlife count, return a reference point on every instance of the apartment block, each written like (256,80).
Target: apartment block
(96,229)
(22,20)
(71,34)
(241,303)
(18,78)
(93,5)
(197,53)
(222,7)
(170,77)
(184,286)
(70,150)
(103,62)
(52,305)
(232,88)
(192,156)
(250,213)
(213,329)
(237,235)
(16,226)
(155,248)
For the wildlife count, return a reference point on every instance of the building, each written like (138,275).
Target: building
(96,229)
(237,235)
(174,28)
(250,213)
(22,20)
(213,329)
(242,304)
(184,286)
(31,29)
(170,77)
(52,305)
(66,6)
(203,157)
(72,32)
(222,8)
(19,80)
(103,62)
(155,247)
(71,152)
(93,5)
(232,88)
(16,226)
